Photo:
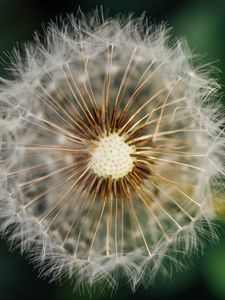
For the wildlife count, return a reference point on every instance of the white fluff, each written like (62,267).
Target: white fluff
(40,73)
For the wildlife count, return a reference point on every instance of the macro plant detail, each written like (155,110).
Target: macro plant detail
(111,150)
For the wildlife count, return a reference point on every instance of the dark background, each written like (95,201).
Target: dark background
(202,23)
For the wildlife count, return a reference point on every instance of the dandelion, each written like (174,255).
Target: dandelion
(111,147)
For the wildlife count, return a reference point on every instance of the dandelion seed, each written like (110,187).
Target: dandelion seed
(110,152)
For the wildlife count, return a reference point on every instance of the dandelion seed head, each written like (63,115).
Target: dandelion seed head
(111,152)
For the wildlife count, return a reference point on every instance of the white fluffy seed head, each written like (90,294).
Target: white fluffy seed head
(111,152)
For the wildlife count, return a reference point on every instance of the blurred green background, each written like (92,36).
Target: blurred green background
(202,23)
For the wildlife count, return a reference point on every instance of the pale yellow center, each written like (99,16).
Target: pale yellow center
(112,157)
